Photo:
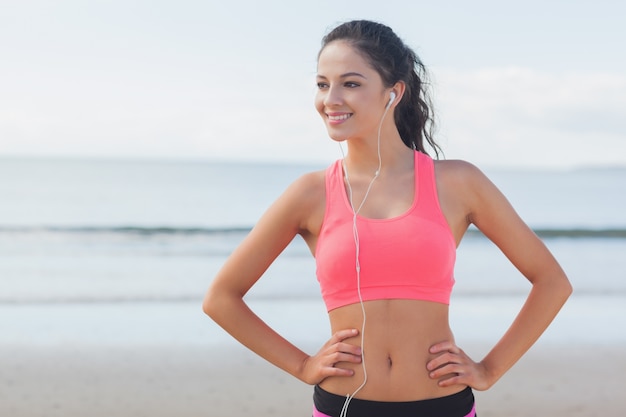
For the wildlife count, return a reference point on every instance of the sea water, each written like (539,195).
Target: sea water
(118,252)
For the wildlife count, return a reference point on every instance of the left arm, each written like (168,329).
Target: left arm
(492,214)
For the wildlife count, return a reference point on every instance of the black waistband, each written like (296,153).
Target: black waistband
(455,405)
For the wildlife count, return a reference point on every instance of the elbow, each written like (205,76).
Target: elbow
(563,288)
(561,285)
(218,302)
(209,304)
(556,286)
(568,289)
(206,306)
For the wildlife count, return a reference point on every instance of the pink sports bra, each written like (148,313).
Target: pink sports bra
(410,256)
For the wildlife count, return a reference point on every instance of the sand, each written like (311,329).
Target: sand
(195,381)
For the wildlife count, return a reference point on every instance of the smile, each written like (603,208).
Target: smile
(341,117)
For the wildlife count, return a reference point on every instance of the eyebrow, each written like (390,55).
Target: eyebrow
(347,74)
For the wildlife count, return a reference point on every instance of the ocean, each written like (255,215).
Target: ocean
(120,252)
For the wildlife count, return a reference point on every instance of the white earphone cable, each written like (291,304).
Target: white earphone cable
(355,233)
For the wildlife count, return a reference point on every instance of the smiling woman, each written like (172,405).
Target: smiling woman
(383,224)
(413,115)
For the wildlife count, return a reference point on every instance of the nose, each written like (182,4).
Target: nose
(333,97)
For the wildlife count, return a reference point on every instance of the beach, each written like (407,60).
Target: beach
(168,359)
(103,266)
(179,381)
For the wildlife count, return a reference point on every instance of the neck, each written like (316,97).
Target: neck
(363,154)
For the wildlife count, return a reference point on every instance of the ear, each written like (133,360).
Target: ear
(398,89)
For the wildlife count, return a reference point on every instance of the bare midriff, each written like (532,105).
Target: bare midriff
(398,335)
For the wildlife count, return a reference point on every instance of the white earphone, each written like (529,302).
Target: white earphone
(355,233)
(392,97)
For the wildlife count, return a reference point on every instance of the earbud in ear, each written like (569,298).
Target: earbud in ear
(392,97)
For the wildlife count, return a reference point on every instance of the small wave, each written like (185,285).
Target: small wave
(570,233)
(573,233)
(100,300)
(126,230)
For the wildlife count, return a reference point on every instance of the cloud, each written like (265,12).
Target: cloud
(491,116)
(518,116)
(212,117)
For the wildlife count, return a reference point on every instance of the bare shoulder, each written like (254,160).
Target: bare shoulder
(307,190)
(459,185)
(483,203)
(306,199)
(458,172)
(309,185)
(464,181)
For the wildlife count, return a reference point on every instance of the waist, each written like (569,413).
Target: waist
(395,345)
(460,404)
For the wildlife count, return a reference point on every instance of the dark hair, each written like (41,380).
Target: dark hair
(394,61)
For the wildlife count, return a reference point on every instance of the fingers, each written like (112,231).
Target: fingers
(451,364)
(342,335)
(339,351)
(346,353)
(446,372)
(447,352)
(444,365)
(446,346)
(443,359)
(335,351)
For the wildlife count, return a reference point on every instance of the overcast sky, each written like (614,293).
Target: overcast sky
(533,83)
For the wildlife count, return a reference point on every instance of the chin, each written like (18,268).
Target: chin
(337,139)
(336,136)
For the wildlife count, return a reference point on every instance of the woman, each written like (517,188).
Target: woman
(383,224)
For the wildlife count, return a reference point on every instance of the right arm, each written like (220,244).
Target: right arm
(293,213)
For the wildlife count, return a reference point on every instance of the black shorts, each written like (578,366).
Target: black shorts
(460,404)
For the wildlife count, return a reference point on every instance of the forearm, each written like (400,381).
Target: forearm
(542,305)
(234,316)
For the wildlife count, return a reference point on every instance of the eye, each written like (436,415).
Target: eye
(351,84)
(321,85)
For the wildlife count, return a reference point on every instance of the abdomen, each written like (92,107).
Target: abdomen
(398,334)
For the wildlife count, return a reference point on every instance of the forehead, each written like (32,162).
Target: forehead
(340,57)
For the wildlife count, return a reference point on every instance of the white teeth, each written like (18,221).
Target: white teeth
(342,117)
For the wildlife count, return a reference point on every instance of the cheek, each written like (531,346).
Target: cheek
(319,103)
